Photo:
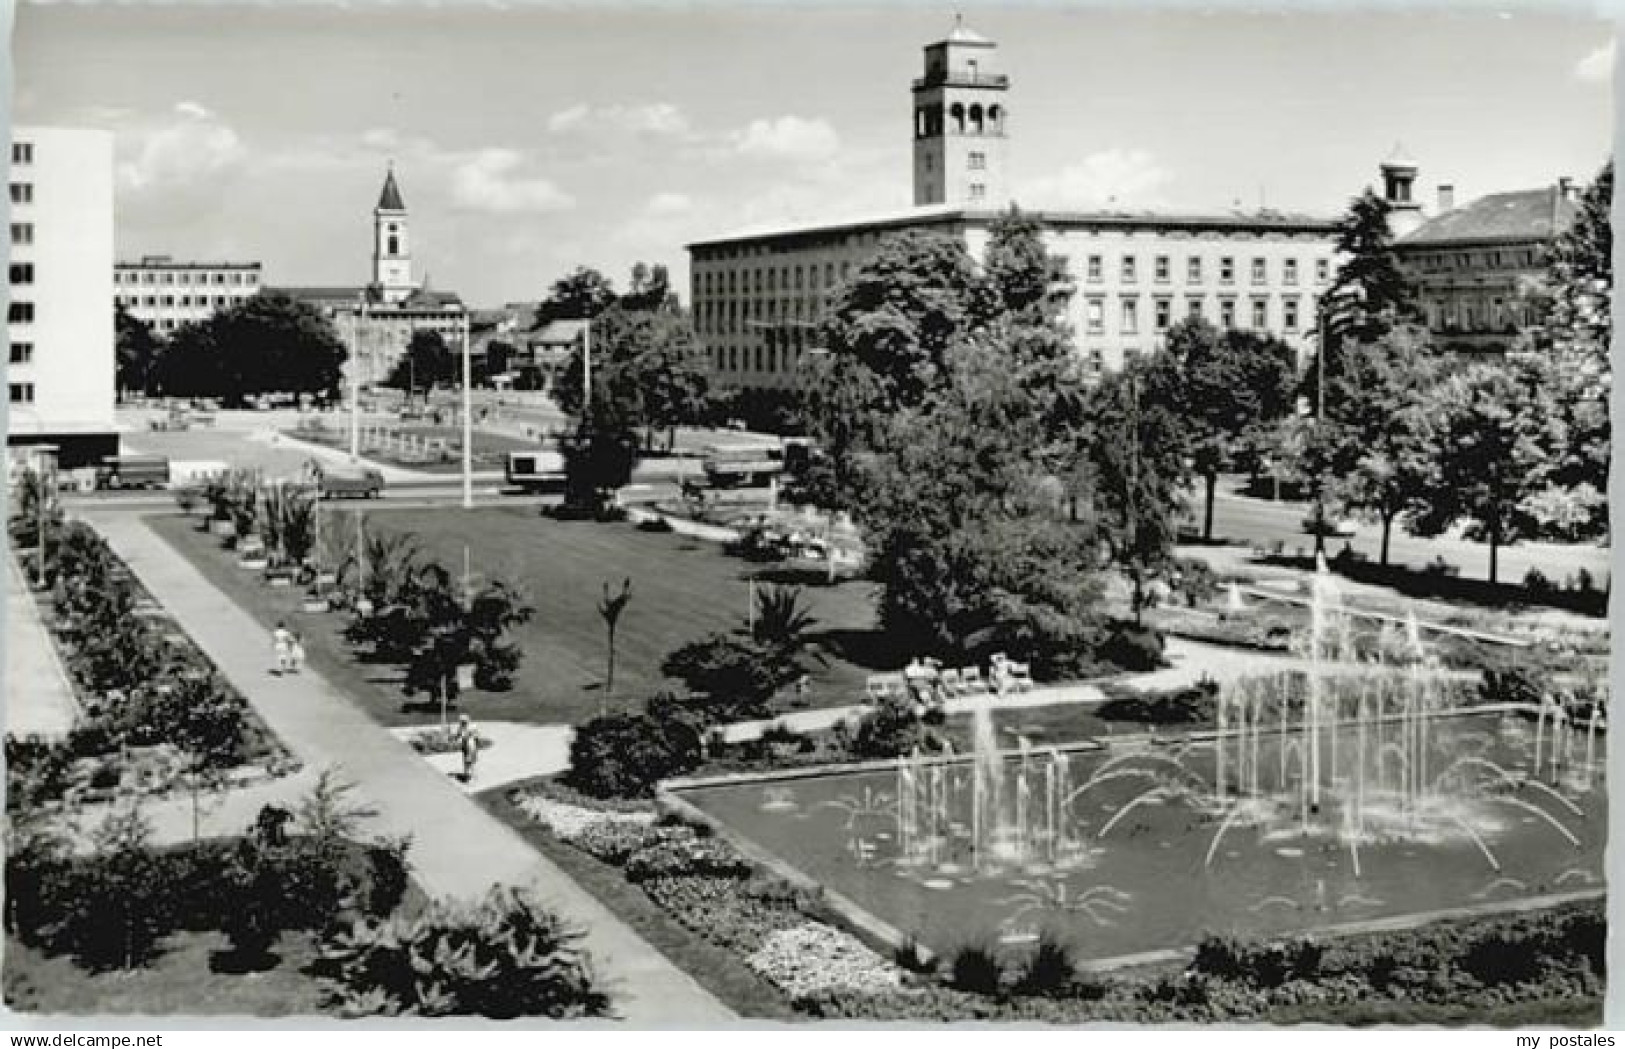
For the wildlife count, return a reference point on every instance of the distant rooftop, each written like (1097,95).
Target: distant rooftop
(1526,214)
(166,262)
(953,214)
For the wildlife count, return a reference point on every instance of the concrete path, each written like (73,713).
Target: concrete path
(458,850)
(517,752)
(39,697)
(216,815)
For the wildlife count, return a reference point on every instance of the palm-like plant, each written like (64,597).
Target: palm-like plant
(610,608)
(289,517)
(782,620)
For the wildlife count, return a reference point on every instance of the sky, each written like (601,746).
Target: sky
(530,139)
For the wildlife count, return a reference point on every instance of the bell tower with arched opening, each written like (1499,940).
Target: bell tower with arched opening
(391,244)
(960,115)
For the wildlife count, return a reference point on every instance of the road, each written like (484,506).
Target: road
(1260,522)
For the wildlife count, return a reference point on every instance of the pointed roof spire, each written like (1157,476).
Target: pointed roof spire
(1399,158)
(390,198)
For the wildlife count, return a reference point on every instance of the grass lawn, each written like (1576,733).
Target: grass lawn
(182,980)
(682,589)
(717,969)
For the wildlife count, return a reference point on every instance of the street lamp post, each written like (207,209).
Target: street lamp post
(357,325)
(468,423)
(586,370)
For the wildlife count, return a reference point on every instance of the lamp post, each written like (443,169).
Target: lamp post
(586,370)
(468,423)
(356,327)
(1320,423)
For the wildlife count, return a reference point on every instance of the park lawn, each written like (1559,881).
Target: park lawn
(714,968)
(183,980)
(682,589)
(490,449)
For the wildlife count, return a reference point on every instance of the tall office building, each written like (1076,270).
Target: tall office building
(59,317)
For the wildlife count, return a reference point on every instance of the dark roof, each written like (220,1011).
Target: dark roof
(952,215)
(1526,214)
(390,198)
(336,296)
(423,297)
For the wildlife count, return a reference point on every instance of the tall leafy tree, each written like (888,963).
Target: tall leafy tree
(1228,386)
(1370,293)
(270,343)
(137,350)
(426,362)
(1492,457)
(648,365)
(650,289)
(1569,344)
(580,295)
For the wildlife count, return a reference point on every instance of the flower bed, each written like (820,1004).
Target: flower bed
(715,892)
(154,711)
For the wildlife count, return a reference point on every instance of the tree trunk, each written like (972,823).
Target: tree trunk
(1387,527)
(1207,511)
(1495,550)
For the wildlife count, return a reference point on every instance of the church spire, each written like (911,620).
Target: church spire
(390,198)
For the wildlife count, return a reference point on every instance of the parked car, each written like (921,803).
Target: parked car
(349,484)
(132,471)
(1333,526)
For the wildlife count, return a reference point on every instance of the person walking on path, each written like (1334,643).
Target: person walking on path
(468,742)
(296,652)
(282,647)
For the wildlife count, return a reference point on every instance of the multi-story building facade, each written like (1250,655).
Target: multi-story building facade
(167,294)
(59,327)
(759,296)
(1472,266)
(376,320)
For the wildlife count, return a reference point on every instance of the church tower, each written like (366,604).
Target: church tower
(959,121)
(391,244)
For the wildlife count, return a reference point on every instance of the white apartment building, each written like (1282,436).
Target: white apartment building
(59,324)
(167,294)
(758,296)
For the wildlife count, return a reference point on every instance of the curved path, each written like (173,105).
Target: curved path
(458,850)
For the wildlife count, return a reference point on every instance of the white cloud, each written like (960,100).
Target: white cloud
(669,204)
(1597,67)
(658,118)
(492,180)
(788,137)
(193,148)
(1110,178)
(381,138)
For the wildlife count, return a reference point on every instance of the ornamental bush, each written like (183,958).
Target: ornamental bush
(502,959)
(625,755)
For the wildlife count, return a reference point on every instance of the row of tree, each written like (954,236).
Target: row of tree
(268,343)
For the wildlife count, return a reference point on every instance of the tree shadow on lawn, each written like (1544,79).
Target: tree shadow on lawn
(231,961)
(868,649)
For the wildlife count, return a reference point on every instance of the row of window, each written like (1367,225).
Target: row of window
(1292,314)
(1507,258)
(733,317)
(22,152)
(771,279)
(169,277)
(770,358)
(22,233)
(22,193)
(20,313)
(21,392)
(1195,269)
(171,300)
(22,273)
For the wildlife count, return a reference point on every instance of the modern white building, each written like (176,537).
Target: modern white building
(59,320)
(759,295)
(167,294)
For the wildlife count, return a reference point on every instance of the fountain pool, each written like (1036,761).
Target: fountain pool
(1376,812)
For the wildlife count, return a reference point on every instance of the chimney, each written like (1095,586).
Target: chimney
(1447,199)
(1565,188)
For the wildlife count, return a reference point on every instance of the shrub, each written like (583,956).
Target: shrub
(625,755)
(1184,706)
(732,678)
(1536,584)
(976,970)
(1510,683)
(1047,970)
(910,956)
(1133,648)
(503,959)
(710,857)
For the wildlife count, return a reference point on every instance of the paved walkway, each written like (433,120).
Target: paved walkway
(458,850)
(39,697)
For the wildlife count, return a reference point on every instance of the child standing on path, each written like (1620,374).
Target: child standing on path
(282,647)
